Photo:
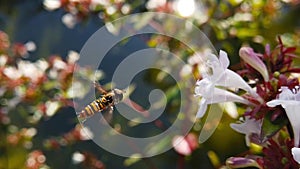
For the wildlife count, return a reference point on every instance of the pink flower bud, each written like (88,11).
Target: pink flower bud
(185,145)
(251,58)
(240,162)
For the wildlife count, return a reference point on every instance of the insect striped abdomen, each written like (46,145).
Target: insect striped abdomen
(106,101)
(95,107)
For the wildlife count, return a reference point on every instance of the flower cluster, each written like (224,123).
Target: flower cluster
(87,160)
(79,10)
(267,85)
(21,137)
(75,135)
(44,85)
(263,89)
(33,91)
(36,159)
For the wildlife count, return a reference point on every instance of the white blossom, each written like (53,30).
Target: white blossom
(296,154)
(32,70)
(69,20)
(51,4)
(73,56)
(248,127)
(125,9)
(3,60)
(220,76)
(12,73)
(185,8)
(30,46)
(52,107)
(77,90)
(290,101)
(152,4)
(77,157)
(111,10)
(59,64)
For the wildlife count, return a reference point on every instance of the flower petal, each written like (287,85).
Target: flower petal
(294,117)
(233,80)
(223,77)
(248,127)
(202,108)
(204,88)
(296,154)
(291,103)
(181,145)
(220,95)
(224,59)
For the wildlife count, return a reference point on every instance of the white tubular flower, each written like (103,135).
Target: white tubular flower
(290,101)
(12,73)
(212,95)
(3,60)
(69,20)
(30,46)
(52,107)
(222,77)
(296,154)
(248,127)
(73,57)
(32,70)
(77,157)
(152,4)
(51,5)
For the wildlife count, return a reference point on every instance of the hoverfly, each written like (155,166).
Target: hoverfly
(105,102)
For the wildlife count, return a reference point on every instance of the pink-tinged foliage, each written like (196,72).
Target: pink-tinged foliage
(35,91)
(269,74)
(247,21)
(74,136)
(277,155)
(91,161)
(279,65)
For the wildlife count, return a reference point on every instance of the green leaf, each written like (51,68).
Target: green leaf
(269,127)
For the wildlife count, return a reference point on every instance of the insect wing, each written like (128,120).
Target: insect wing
(107,115)
(99,88)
